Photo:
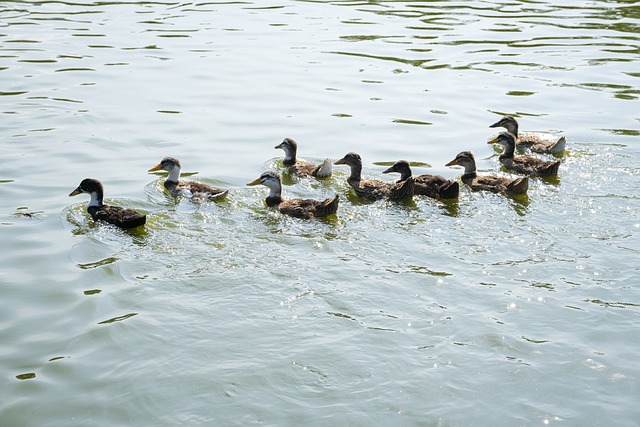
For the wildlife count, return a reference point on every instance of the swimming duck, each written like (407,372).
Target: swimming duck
(300,208)
(189,189)
(116,215)
(494,184)
(302,168)
(536,142)
(527,165)
(434,186)
(374,189)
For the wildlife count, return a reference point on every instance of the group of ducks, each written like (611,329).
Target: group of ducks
(434,186)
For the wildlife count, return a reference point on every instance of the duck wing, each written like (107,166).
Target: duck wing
(116,215)
(308,208)
(436,186)
(531,166)
(541,143)
(199,190)
(497,184)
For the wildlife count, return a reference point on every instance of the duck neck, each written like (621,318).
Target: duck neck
(508,153)
(356,172)
(96,199)
(469,172)
(512,127)
(405,174)
(174,175)
(275,197)
(289,156)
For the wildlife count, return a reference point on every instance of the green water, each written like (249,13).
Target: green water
(486,311)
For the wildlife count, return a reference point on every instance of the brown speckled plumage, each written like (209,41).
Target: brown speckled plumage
(300,208)
(435,186)
(494,184)
(302,168)
(375,189)
(186,188)
(526,165)
(533,141)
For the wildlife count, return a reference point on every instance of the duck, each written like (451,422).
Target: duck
(526,165)
(375,189)
(494,184)
(301,168)
(299,208)
(190,189)
(434,186)
(535,142)
(116,215)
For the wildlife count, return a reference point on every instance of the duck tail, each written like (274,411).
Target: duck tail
(325,169)
(219,196)
(559,146)
(328,206)
(551,169)
(449,190)
(518,186)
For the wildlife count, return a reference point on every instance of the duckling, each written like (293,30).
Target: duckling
(116,215)
(494,184)
(434,186)
(300,208)
(302,168)
(533,141)
(527,165)
(189,189)
(374,189)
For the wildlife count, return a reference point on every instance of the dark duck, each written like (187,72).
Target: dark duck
(116,215)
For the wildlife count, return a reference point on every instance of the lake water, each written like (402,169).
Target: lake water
(487,311)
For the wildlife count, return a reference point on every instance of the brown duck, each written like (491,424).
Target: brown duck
(374,189)
(526,165)
(494,184)
(434,186)
(302,168)
(300,208)
(116,215)
(190,189)
(535,142)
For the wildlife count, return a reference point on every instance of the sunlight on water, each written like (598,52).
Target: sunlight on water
(421,312)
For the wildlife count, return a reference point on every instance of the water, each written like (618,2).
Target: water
(488,311)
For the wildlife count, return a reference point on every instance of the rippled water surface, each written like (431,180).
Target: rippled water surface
(482,311)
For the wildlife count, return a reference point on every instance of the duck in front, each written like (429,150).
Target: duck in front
(375,189)
(299,208)
(435,186)
(189,189)
(116,215)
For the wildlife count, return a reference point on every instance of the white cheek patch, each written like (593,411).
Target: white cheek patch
(174,174)
(94,199)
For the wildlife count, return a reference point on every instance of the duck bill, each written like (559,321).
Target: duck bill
(495,125)
(255,182)
(155,168)
(340,162)
(75,192)
(390,170)
(452,163)
(279,145)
